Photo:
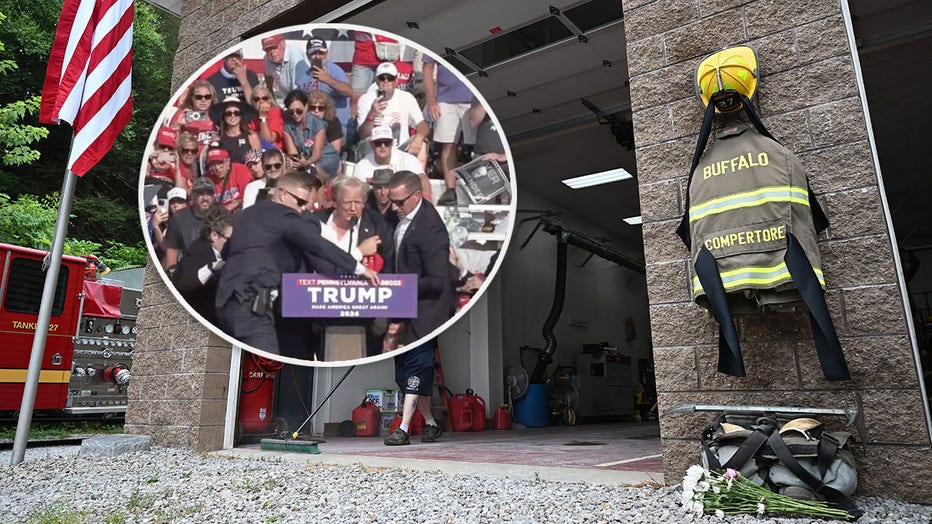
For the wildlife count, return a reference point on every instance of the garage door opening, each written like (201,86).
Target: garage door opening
(893,42)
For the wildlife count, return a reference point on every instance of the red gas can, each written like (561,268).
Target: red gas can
(478,411)
(366,418)
(461,412)
(502,418)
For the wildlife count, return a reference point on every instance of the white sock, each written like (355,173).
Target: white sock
(403,427)
(431,422)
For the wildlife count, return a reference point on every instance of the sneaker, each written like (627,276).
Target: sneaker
(448,198)
(431,433)
(397,438)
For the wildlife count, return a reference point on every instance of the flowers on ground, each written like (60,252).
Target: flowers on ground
(728,493)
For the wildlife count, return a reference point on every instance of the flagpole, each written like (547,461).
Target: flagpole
(52,264)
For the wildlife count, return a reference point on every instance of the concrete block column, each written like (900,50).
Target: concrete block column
(178,393)
(810,101)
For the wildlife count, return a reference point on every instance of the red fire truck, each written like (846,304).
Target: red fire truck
(92,332)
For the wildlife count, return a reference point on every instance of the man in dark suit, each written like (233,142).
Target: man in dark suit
(271,238)
(422,246)
(195,276)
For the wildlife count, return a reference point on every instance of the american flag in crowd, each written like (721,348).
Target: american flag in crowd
(87,81)
(340,46)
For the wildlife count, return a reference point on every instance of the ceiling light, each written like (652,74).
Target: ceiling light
(633,221)
(595,179)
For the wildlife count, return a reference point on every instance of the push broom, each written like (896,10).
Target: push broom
(301,446)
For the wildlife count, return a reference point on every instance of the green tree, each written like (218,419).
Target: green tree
(29,221)
(15,136)
(28,37)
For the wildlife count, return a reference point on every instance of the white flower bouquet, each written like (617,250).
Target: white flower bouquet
(728,493)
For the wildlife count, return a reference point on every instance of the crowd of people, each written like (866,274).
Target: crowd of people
(304,167)
(323,117)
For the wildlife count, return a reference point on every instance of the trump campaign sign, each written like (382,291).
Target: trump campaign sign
(323,296)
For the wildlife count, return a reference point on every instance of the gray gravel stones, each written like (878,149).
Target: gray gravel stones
(170,485)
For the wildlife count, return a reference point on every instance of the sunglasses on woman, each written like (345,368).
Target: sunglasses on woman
(316,108)
(207,96)
(264,98)
(231,113)
(297,112)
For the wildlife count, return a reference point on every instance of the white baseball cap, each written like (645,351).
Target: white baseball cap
(177,192)
(381,133)
(386,68)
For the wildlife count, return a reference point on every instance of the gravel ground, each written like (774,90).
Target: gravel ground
(171,485)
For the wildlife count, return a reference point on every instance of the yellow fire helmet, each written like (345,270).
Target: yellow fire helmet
(723,75)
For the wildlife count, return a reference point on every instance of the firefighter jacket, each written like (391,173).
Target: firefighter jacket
(753,240)
(747,194)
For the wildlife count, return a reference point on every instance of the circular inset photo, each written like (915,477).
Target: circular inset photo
(327,195)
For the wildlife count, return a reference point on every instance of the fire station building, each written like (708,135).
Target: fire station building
(585,86)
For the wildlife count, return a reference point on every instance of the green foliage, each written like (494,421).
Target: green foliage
(15,136)
(27,39)
(30,221)
(115,518)
(60,430)
(139,502)
(58,513)
(121,256)
(103,219)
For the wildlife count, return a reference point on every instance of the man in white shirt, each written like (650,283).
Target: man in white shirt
(385,156)
(396,109)
(360,232)
(344,228)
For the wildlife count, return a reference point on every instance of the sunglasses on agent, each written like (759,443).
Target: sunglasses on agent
(300,201)
(401,202)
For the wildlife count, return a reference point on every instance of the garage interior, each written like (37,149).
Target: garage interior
(555,75)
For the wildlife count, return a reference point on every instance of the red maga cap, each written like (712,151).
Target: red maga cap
(272,41)
(167,136)
(217,155)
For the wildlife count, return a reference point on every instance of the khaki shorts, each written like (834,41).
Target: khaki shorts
(454,119)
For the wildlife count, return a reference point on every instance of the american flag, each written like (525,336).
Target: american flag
(87,81)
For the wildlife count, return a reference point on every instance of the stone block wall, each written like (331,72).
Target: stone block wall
(208,27)
(181,370)
(809,100)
